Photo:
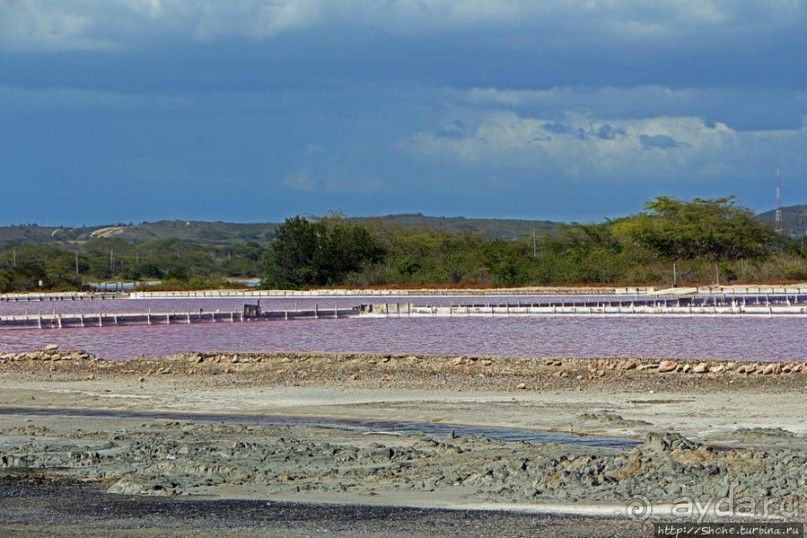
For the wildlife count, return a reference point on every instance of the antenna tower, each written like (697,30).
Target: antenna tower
(778,219)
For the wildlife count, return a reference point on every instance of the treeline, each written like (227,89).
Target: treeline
(173,262)
(671,241)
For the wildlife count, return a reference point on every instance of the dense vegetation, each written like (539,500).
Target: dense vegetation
(321,253)
(702,241)
(672,241)
(176,263)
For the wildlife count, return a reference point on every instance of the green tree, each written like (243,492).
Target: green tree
(293,258)
(713,229)
(345,249)
(324,252)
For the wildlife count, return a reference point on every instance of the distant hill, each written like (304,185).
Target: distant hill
(791,218)
(212,233)
(227,233)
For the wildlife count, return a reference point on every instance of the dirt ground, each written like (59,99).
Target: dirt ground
(694,429)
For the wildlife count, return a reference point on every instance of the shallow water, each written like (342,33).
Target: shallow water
(368,426)
(736,338)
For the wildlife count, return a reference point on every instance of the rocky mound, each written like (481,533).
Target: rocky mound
(191,459)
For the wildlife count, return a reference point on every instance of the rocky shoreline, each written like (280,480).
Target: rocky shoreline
(398,369)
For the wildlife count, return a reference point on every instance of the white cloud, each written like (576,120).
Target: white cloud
(212,19)
(29,25)
(104,24)
(46,25)
(730,105)
(611,149)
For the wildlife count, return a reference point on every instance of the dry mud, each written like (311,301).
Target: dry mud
(704,431)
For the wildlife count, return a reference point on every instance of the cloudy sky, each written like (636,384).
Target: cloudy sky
(256,110)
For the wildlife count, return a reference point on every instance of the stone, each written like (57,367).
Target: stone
(51,347)
(666,442)
(701,368)
(667,366)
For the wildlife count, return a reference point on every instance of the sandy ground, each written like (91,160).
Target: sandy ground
(748,426)
(579,396)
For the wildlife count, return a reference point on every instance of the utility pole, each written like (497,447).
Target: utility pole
(76,262)
(778,225)
(534,245)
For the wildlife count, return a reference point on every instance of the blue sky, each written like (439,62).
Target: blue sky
(256,110)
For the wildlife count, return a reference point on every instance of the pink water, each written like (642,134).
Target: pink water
(768,339)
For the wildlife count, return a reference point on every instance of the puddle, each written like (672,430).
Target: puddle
(535,437)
